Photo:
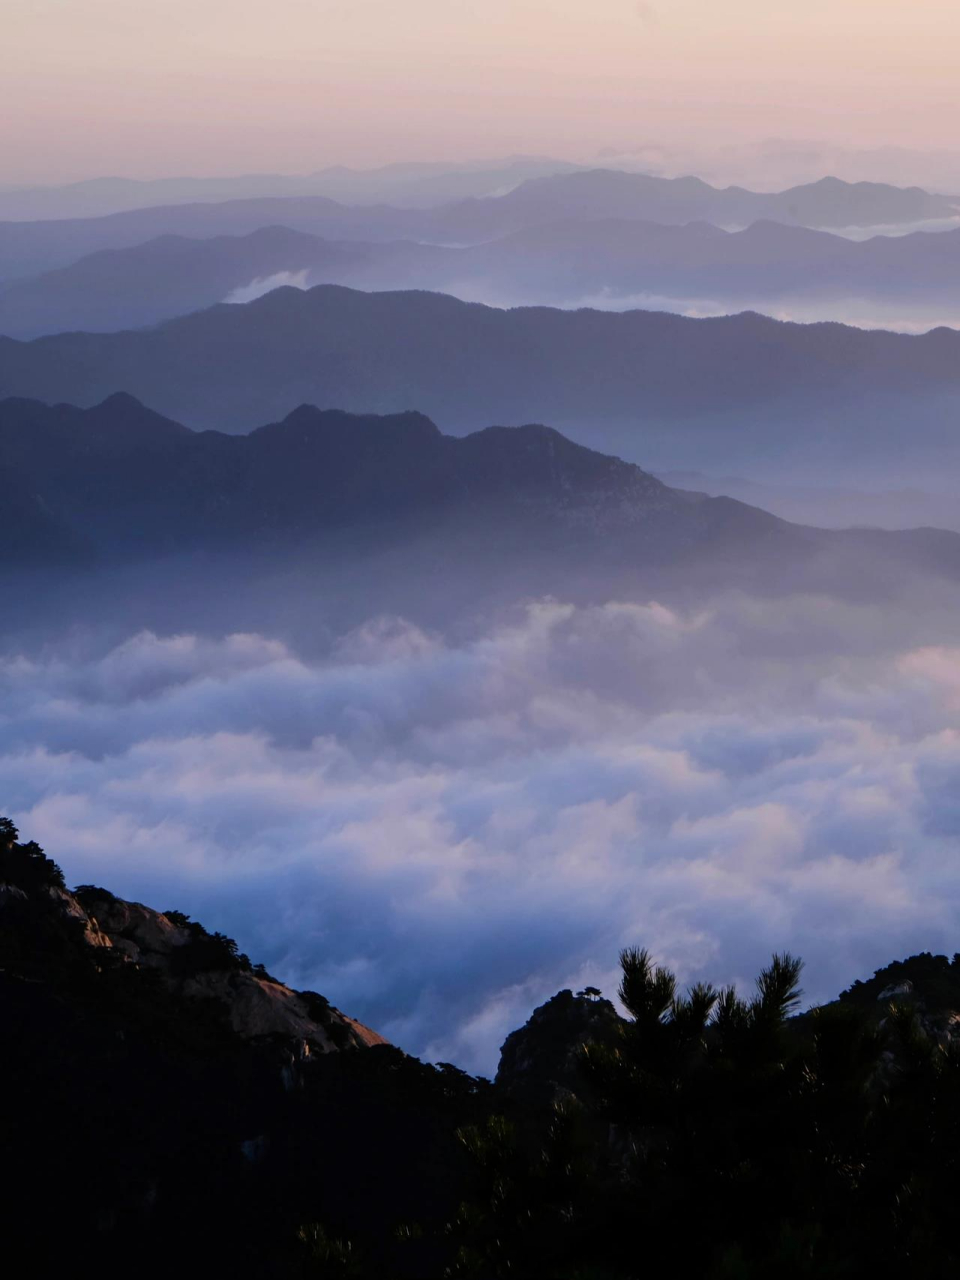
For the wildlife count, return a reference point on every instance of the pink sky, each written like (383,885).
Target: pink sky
(150,88)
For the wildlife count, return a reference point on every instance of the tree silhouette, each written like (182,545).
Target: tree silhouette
(26,865)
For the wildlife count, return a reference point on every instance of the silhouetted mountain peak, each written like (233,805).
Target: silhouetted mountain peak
(129,420)
(122,402)
(409,425)
(318,470)
(277,233)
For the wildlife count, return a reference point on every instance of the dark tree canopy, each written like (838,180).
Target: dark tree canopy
(707,1132)
(25,865)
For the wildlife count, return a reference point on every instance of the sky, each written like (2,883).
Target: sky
(152,88)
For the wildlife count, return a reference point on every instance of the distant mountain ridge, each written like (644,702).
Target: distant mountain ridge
(30,247)
(122,483)
(670,391)
(411,184)
(605,263)
(121,477)
(172,275)
(611,193)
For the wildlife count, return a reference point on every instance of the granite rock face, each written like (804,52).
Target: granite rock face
(196,966)
(257,1007)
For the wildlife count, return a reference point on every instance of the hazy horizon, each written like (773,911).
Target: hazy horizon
(760,163)
(155,90)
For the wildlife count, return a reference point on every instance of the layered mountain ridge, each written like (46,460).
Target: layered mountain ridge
(409,184)
(610,262)
(660,388)
(502,513)
(30,247)
(119,477)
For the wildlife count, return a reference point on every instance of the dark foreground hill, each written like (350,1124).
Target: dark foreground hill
(741,391)
(169,1103)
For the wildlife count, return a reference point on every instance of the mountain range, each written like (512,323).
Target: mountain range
(120,479)
(611,193)
(743,392)
(119,482)
(411,184)
(30,247)
(607,263)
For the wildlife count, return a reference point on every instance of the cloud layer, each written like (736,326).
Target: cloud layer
(438,835)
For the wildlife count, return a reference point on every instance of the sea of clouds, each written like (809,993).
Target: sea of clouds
(439,834)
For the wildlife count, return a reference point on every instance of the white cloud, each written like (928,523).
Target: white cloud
(438,835)
(260,285)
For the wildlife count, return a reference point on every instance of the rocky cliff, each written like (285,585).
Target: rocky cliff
(163,1098)
(194,966)
(202,966)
